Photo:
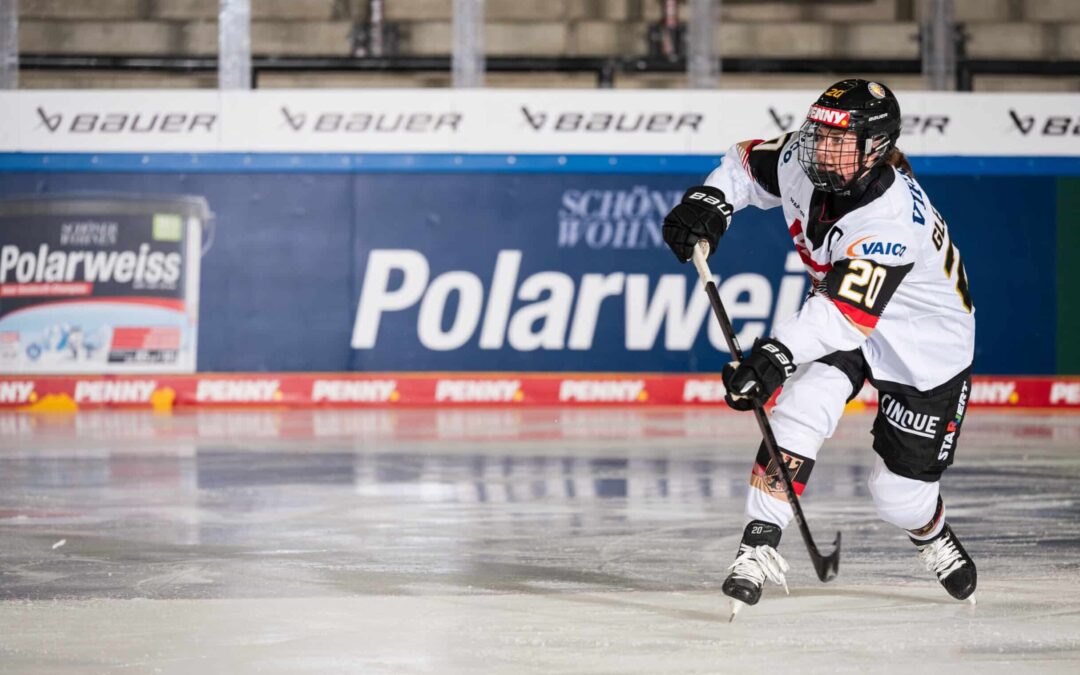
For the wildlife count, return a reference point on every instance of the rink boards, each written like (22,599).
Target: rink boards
(389,390)
(447,231)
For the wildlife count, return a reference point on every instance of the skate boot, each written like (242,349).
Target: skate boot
(756,561)
(944,556)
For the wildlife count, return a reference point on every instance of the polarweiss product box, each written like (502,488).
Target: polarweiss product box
(100,283)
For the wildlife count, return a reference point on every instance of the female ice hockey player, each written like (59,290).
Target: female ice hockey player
(889,304)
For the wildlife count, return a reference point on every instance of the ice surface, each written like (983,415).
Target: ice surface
(531,541)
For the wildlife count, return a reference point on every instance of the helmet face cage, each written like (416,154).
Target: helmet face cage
(827,154)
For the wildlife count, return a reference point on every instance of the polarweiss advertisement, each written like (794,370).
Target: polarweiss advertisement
(97,284)
(498,271)
(372,231)
(560,275)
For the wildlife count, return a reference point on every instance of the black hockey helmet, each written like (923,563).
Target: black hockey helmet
(833,159)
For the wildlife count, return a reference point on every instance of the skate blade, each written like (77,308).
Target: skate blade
(736,607)
(971,600)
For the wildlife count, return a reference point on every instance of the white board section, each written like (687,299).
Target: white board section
(506,121)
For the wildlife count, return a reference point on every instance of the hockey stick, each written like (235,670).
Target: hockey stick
(825,566)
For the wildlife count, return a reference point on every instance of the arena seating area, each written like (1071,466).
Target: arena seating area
(1006,29)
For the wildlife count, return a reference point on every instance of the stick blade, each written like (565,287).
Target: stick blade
(827,567)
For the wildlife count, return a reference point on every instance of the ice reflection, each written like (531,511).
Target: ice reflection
(588,532)
(479,478)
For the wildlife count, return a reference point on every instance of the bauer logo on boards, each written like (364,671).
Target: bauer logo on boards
(366,121)
(615,122)
(1046,125)
(129,122)
(784,121)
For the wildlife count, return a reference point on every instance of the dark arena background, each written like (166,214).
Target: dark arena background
(341,336)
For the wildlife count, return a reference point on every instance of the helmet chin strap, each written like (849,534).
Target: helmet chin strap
(864,174)
(833,178)
(858,185)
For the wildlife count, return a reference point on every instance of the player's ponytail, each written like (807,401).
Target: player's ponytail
(898,159)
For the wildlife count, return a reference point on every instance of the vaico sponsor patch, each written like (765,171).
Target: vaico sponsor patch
(829,116)
(869,246)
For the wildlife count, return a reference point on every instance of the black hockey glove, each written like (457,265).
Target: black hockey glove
(761,372)
(703,213)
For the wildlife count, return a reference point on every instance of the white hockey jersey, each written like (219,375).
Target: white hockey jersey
(887,278)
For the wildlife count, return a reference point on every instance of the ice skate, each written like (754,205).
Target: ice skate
(756,561)
(944,556)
